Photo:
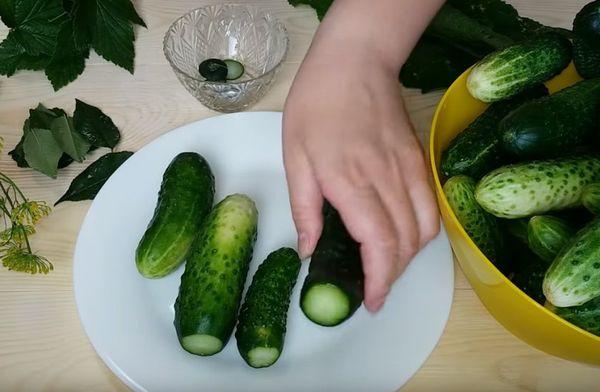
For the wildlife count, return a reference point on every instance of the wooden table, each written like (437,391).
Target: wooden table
(42,343)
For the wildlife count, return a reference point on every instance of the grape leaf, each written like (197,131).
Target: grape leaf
(7,12)
(67,62)
(89,182)
(37,23)
(41,151)
(70,141)
(95,126)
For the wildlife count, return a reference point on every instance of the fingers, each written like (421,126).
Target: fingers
(369,224)
(306,201)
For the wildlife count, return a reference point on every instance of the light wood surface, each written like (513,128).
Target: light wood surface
(42,344)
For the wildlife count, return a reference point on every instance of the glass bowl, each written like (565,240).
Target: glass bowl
(227,31)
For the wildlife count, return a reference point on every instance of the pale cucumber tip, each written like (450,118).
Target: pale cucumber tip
(202,344)
(326,304)
(477,85)
(260,357)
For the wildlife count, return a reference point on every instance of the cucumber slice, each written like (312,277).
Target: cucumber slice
(213,70)
(262,356)
(202,344)
(235,69)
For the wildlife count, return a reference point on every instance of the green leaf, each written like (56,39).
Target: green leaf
(67,62)
(70,141)
(41,151)
(10,55)
(126,9)
(37,23)
(87,184)
(7,12)
(95,126)
(321,6)
(84,16)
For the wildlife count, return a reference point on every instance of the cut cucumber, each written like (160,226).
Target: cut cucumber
(202,344)
(325,304)
(213,70)
(235,69)
(262,356)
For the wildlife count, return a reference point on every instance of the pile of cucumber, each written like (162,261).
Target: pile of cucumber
(523,179)
(216,244)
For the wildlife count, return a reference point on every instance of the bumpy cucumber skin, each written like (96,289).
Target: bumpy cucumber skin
(263,318)
(533,188)
(215,271)
(505,73)
(336,260)
(477,150)
(586,58)
(574,276)
(590,198)
(546,235)
(185,198)
(586,316)
(552,126)
(483,228)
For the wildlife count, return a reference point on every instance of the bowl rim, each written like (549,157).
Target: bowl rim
(272,70)
(442,199)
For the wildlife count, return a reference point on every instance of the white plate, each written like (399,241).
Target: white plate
(129,319)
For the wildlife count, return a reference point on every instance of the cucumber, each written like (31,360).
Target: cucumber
(574,276)
(551,126)
(262,322)
(213,70)
(505,73)
(586,316)
(215,272)
(517,228)
(590,198)
(529,270)
(587,23)
(235,69)
(185,198)
(533,188)
(586,58)
(546,235)
(483,228)
(333,288)
(477,150)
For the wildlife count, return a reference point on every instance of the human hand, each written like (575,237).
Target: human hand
(347,138)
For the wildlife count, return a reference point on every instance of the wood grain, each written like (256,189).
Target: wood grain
(42,344)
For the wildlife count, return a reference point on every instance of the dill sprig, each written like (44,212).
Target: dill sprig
(18,216)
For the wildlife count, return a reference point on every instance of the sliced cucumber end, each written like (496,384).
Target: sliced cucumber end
(202,344)
(326,304)
(235,69)
(260,357)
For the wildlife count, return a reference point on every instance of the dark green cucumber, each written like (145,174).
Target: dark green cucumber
(517,228)
(528,271)
(586,316)
(586,58)
(533,188)
(476,151)
(546,235)
(590,198)
(587,23)
(262,322)
(552,126)
(215,272)
(483,228)
(333,288)
(185,198)
(506,73)
(574,276)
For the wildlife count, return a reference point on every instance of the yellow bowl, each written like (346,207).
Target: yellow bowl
(518,313)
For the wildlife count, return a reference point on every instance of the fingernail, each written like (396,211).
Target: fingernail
(303,246)
(375,305)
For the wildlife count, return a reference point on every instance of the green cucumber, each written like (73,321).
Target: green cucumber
(574,276)
(528,271)
(477,150)
(483,228)
(546,235)
(215,272)
(587,23)
(586,316)
(333,289)
(262,322)
(185,198)
(586,58)
(235,69)
(552,126)
(517,228)
(506,73)
(590,198)
(533,188)
(213,70)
